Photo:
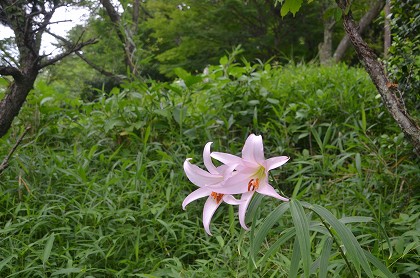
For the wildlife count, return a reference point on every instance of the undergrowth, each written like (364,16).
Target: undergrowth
(95,189)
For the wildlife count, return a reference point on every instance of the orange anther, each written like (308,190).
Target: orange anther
(217,196)
(253,184)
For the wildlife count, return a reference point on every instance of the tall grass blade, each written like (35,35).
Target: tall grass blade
(65,271)
(48,247)
(6,261)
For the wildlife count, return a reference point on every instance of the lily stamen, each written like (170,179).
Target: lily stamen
(253,184)
(217,196)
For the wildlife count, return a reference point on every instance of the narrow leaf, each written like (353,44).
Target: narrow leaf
(354,252)
(373,260)
(364,124)
(355,219)
(48,247)
(302,233)
(268,223)
(325,255)
(286,235)
(317,139)
(294,263)
(7,260)
(66,271)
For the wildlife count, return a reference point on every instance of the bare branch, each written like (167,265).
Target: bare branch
(5,162)
(68,44)
(117,78)
(66,53)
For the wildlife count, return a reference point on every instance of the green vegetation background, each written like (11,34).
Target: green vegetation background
(95,189)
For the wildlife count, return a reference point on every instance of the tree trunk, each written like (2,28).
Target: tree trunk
(387,28)
(124,33)
(325,49)
(11,104)
(364,22)
(388,91)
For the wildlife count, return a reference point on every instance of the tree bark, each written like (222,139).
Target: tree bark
(124,34)
(389,92)
(363,24)
(325,49)
(13,100)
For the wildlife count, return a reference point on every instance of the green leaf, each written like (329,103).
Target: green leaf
(7,260)
(179,114)
(324,258)
(285,236)
(338,13)
(189,79)
(358,161)
(66,271)
(181,73)
(373,260)
(224,60)
(327,136)
(301,224)
(363,123)
(48,248)
(355,219)
(354,252)
(268,223)
(317,139)
(292,6)
(297,187)
(294,262)
(46,99)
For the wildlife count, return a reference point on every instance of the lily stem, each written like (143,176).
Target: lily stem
(338,246)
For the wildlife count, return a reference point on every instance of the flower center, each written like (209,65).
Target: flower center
(217,196)
(253,184)
(260,173)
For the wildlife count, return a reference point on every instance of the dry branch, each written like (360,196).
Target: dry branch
(5,162)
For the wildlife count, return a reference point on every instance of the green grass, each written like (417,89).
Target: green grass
(95,189)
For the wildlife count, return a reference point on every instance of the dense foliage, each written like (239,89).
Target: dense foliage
(96,188)
(404,64)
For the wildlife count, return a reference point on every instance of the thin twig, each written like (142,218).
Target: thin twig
(5,162)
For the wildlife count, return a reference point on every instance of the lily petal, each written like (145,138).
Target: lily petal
(226,158)
(275,162)
(232,200)
(246,197)
(200,177)
(253,150)
(197,194)
(237,184)
(268,190)
(207,159)
(209,209)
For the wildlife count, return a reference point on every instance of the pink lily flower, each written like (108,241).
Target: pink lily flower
(214,177)
(251,173)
